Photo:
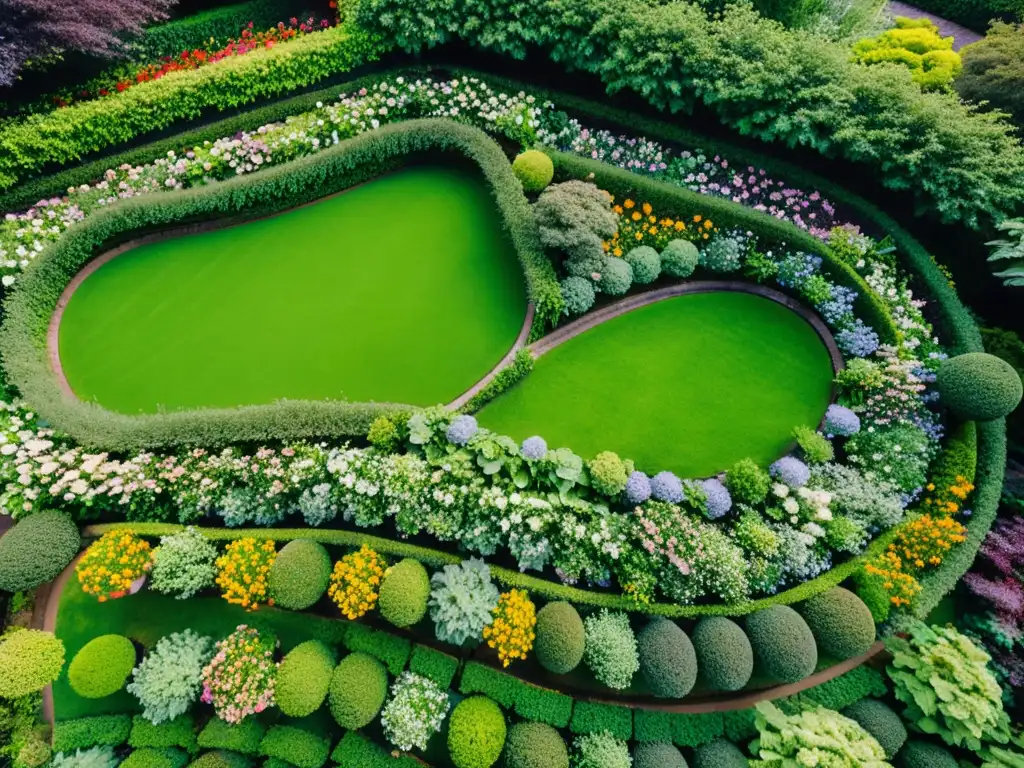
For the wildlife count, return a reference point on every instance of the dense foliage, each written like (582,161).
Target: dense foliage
(404,593)
(358,687)
(668,662)
(840,622)
(303,678)
(881,722)
(299,575)
(462,598)
(783,645)
(183,564)
(476,733)
(993,70)
(170,677)
(979,386)
(561,637)
(36,550)
(535,745)
(29,660)
(101,667)
(611,649)
(725,659)
(813,737)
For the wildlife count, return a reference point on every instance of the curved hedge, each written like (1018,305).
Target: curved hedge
(29,307)
(303,678)
(300,574)
(357,690)
(37,549)
(102,666)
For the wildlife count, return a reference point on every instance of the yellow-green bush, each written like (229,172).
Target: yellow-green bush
(917,45)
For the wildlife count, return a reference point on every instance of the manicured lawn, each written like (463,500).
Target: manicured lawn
(690,384)
(402,290)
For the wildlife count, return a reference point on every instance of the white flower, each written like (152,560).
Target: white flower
(792,506)
(781,490)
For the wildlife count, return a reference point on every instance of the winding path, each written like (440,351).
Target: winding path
(961,35)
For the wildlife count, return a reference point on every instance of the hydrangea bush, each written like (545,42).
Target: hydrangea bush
(414,712)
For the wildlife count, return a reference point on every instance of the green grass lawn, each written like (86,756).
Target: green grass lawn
(405,289)
(691,384)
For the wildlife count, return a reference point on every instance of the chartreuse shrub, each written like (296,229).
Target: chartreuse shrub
(243,737)
(917,45)
(296,746)
(978,386)
(783,645)
(561,638)
(476,733)
(880,721)
(600,750)
(924,754)
(357,690)
(607,473)
(667,659)
(812,737)
(179,732)
(102,666)
(841,623)
(29,661)
(85,732)
(151,757)
(303,678)
(719,753)
(534,170)
(299,575)
(36,550)
(658,754)
(404,593)
(611,651)
(748,483)
(535,745)
(725,660)
(815,446)
(946,687)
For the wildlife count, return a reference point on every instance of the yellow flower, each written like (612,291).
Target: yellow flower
(628,203)
(354,582)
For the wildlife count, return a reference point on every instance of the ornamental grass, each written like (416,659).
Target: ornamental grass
(112,563)
(512,632)
(243,571)
(355,583)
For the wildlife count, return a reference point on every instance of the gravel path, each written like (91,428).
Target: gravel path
(961,35)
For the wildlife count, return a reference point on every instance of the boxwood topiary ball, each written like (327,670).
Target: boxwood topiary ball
(299,575)
(36,550)
(404,593)
(303,678)
(646,264)
(924,754)
(667,659)
(719,754)
(476,733)
(357,690)
(102,666)
(725,660)
(534,170)
(679,258)
(978,386)
(535,745)
(881,722)
(658,754)
(560,638)
(578,294)
(616,276)
(840,622)
(783,645)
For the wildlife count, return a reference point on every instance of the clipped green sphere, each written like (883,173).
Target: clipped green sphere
(646,264)
(476,733)
(658,754)
(299,575)
(978,386)
(357,690)
(404,593)
(924,754)
(783,645)
(102,666)
(535,745)
(303,678)
(560,638)
(667,659)
(725,660)
(534,170)
(719,754)
(840,622)
(881,722)
(679,258)
(36,550)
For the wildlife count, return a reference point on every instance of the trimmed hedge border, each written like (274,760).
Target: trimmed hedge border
(29,308)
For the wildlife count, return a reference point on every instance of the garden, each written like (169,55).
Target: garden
(470,384)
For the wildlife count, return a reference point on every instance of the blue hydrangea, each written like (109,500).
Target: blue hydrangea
(533,448)
(791,471)
(860,340)
(796,268)
(719,502)
(462,429)
(841,421)
(667,487)
(838,310)
(638,488)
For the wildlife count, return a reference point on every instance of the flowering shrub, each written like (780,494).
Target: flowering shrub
(638,225)
(415,711)
(112,563)
(184,564)
(355,583)
(610,650)
(243,570)
(239,680)
(511,633)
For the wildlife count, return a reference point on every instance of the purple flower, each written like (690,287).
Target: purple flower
(667,487)
(791,471)
(841,421)
(462,429)
(719,502)
(638,488)
(859,341)
(533,448)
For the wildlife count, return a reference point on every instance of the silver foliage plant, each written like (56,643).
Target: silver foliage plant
(170,678)
(184,564)
(461,600)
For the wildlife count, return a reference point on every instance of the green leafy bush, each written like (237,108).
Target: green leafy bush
(993,70)
(679,259)
(183,564)
(575,218)
(561,638)
(607,473)
(610,651)
(433,664)
(303,678)
(404,593)
(881,722)
(578,295)
(36,550)
(694,730)
(85,732)
(179,732)
(600,750)
(220,758)
(975,14)
(383,434)
(296,746)
(534,170)
(476,733)
(94,757)
(657,754)
(616,276)
(535,745)
(243,737)
(170,677)
(812,737)
(719,754)
(917,45)
(947,689)
(924,754)
(646,264)
(29,661)
(461,600)
(667,659)
(357,690)
(299,575)
(150,757)
(840,622)
(543,705)
(102,666)
(783,645)
(747,482)
(595,717)
(978,386)
(814,445)
(725,660)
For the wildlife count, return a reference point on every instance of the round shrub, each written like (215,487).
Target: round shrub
(220,758)
(616,276)
(924,754)
(978,386)
(183,564)
(667,659)
(29,661)
(404,593)
(667,487)
(646,264)
(638,488)
(535,745)
(658,754)
(534,170)
(303,678)
(723,254)
(102,666)
(578,295)
(841,623)
(36,550)
(560,638)
(717,501)
(679,258)
(611,649)
(747,482)
(725,660)
(791,471)
(476,733)
(719,754)
(783,644)
(607,473)
(881,722)
(600,750)
(300,574)
(358,687)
